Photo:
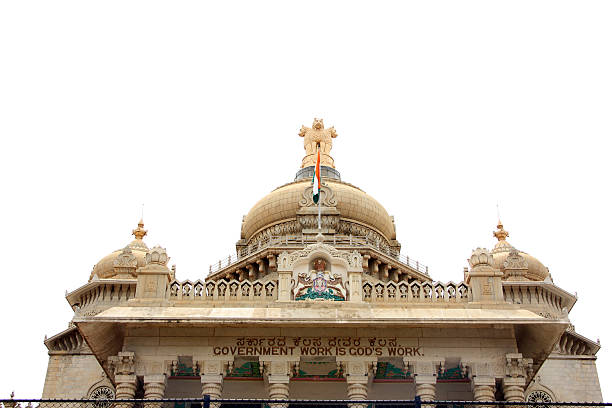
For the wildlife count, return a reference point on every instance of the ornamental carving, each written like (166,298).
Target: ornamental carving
(102,396)
(286,260)
(319,284)
(123,363)
(327,199)
(158,256)
(125,262)
(481,257)
(539,396)
(517,366)
(515,261)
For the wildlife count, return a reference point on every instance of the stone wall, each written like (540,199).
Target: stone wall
(73,375)
(568,378)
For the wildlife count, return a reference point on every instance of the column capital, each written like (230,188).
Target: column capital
(517,366)
(424,369)
(122,363)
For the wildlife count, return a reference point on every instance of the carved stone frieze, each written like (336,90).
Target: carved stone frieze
(327,197)
(286,260)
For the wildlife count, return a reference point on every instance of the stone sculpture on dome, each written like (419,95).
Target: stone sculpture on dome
(317,135)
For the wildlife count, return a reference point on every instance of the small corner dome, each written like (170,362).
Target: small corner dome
(536,271)
(105,269)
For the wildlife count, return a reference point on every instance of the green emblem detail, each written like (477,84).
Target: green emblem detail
(326,295)
(249,369)
(387,371)
(454,373)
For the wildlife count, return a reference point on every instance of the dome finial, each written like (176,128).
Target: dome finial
(139,232)
(501,234)
(317,137)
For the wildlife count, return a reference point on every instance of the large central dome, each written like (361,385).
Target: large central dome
(284,203)
(345,209)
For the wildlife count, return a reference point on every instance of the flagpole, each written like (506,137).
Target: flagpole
(319,203)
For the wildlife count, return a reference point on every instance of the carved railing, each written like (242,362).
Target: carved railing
(297,241)
(415,292)
(232,291)
(542,297)
(100,295)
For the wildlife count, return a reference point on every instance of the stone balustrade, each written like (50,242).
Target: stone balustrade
(543,298)
(227,291)
(415,292)
(100,295)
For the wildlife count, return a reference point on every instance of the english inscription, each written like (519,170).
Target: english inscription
(317,346)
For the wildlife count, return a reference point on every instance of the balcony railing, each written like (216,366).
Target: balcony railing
(297,241)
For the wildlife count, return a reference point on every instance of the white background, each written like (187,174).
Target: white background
(443,109)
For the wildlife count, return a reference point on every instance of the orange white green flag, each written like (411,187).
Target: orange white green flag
(316,180)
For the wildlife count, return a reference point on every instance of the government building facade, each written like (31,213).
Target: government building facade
(319,303)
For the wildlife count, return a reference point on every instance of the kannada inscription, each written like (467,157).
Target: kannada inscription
(317,346)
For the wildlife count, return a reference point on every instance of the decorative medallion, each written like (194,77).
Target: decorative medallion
(102,395)
(539,396)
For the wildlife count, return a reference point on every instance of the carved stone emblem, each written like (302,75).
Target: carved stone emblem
(319,284)
(317,136)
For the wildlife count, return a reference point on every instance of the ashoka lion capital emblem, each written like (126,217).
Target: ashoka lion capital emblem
(315,136)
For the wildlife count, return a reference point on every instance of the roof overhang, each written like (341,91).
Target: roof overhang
(536,335)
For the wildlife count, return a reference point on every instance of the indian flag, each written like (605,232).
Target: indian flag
(316,180)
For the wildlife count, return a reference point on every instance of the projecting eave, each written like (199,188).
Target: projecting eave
(536,335)
(73,297)
(313,313)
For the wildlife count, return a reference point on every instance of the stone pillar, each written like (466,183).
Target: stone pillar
(125,378)
(483,388)
(126,387)
(483,381)
(517,370)
(514,389)
(357,373)
(284,286)
(354,275)
(211,376)
(277,374)
(154,388)
(425,373)
(154,277)
(483,279)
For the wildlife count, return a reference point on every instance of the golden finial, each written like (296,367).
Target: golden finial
(501,234)
(139,232)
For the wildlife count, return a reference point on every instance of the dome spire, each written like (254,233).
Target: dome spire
(501,234)
(140,232)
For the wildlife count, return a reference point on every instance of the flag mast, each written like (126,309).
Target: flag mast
(318,171)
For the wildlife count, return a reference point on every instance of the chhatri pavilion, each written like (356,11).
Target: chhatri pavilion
(319,303)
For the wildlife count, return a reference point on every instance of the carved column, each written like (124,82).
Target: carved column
(517,369)
(483,388)
(357,372)
(278,372)
(483,381)
(354,275)
(154,388)
(211,376)
(425,372)
(125,378)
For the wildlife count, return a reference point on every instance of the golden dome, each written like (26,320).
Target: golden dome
(104,269)
(536,271)
(283,204)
